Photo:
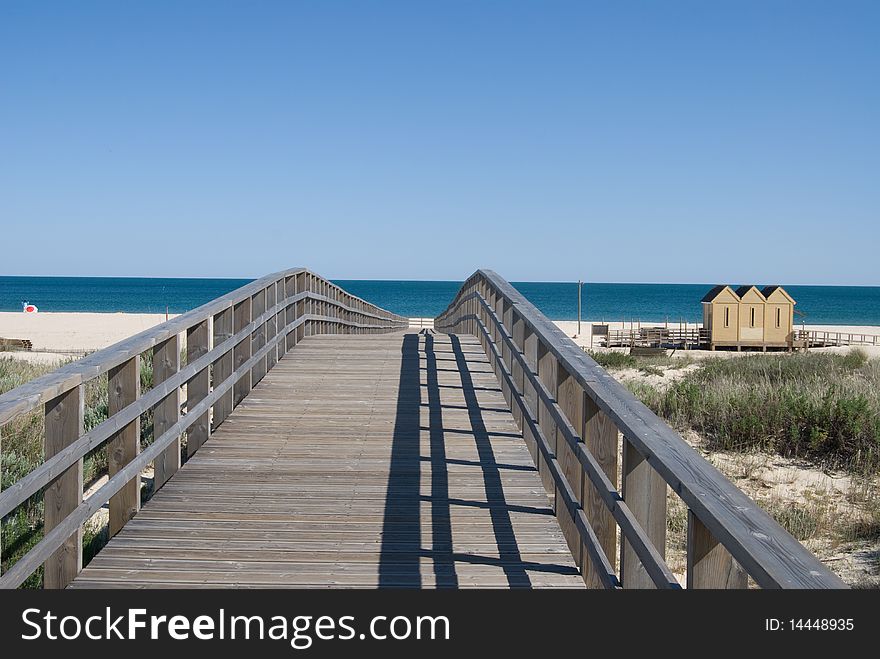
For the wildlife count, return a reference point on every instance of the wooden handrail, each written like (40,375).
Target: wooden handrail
(253,327)
(557,392)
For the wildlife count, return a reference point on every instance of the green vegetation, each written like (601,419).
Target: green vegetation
(22,452)
(822,407)
(614,360)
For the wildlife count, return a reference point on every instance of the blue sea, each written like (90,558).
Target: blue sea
(841,305)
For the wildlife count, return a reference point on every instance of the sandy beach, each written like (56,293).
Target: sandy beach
(59,336)
(62,336)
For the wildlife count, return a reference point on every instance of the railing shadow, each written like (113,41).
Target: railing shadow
(502,525)
(403,530)
(441,520)
(401,526)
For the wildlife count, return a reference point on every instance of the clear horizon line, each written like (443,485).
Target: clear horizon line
(452,281)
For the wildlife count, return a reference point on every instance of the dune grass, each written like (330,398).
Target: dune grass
(614,360)
(820,407)
(22,452)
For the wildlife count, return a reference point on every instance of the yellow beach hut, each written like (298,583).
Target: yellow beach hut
(778,316)
(751,316)
(748,317)
(721,316)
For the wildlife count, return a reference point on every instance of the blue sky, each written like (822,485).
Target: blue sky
(610,141)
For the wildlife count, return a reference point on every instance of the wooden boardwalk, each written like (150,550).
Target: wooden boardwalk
(358,461)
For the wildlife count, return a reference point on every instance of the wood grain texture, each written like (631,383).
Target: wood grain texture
(123,389)
(241,317)
(570,397)
(600,439)
(709,564)
(222,368)
(645,494)
(358,461)
(258,337)
(64,423)
(547,373)
(166,362)
(197,345)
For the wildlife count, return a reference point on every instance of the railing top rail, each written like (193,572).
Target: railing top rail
(765,550)
(36,392)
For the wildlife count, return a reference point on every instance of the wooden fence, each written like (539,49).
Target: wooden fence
(231,343)
(577,420)
(820,339)
(661,337)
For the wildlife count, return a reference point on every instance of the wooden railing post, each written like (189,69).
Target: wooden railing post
(271,327)
(258,336)
(198,339)
(287,316)
(506,318)
(570,396)
(301,287)
(311,308)
(242,352)
(518,336)
(548,375)
(709,564)
(530,352)
(64,425)
(645,493)
(222,367)
(123,389)
(166,362)
(600,437)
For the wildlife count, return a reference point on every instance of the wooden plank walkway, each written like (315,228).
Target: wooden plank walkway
(359,461)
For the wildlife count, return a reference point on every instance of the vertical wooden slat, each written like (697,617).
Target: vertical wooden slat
(709,564)
(530,352)
(548,375)
(123,389)
(517,333)
(222,368)
(271,301)
(166,362)
(242,352)
(499,312)
(197,345)
(287,315)
(301,281)
(570,396)
(600,436)
(310,306)
(645,493)
(64,425)
(258,336)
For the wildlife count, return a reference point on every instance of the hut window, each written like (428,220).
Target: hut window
(752,320)
(778,317)
(727,316)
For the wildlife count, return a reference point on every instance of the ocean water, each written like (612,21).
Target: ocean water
(841,305)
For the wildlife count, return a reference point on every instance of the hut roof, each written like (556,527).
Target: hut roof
(714,292)
(742,290)
(770,290)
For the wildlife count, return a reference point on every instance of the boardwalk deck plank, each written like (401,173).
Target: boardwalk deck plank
(356,462)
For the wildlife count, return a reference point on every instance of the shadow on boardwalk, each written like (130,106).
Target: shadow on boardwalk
(402,550)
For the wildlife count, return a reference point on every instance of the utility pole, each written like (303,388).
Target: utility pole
(580,285)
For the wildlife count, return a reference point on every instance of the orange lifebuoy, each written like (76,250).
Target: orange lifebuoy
(30,308)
